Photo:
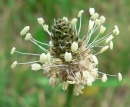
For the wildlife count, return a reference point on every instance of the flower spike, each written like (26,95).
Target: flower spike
(69,59)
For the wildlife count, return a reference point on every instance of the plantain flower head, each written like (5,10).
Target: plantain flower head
(70,59)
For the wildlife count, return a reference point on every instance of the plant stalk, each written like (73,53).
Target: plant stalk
(69,100)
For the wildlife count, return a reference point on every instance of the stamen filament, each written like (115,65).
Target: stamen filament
(27,53)
(91,33)
(80,24)
(46,30)
(39,42)
(108,74)
(39,45)
(28,62)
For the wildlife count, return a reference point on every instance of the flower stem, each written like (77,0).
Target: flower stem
(69,99)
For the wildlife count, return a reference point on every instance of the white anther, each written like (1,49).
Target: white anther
(68,56)
(95,59)
(102,19)
(74,20)
(102,29)
(28,36)
(24,30)
(14,64)
(45,27)
(80,13)
(104,49)
(111,45)
(12,50)
(43,57)
(65,18)
(40,20)
(95,16)
(74,46)
(97,22)
(109,38)
(119,76)
(104,78)
(91,11)
(91,23)
(116,31)
(35,66)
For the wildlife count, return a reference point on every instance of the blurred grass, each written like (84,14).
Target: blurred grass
(22,87)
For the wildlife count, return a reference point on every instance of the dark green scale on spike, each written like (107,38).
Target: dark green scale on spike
(62,36)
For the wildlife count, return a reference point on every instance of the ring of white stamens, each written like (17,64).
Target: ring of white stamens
(78,64)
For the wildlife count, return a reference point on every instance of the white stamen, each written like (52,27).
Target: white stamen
(104,78)
(89,82)
(36,66)
(74,20)
(108,74)
(39,46)
(27,53)
(43,58)
(104,49)
(65,18)
(80,13)
(109,38)
(111,45)
(91,23)
(39,42)
(12,50)
(24,30)
(48,57)
(74,46)
(28,36)
(95,16)
(116,31)
(91,11)
(14,64)
(97,22)
(45,27)
(28,62)
(102,29)
(119,76)
(102,19)
(68,56)
(40,20)
(95,59)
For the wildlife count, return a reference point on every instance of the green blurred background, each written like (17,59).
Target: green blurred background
(21,87)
